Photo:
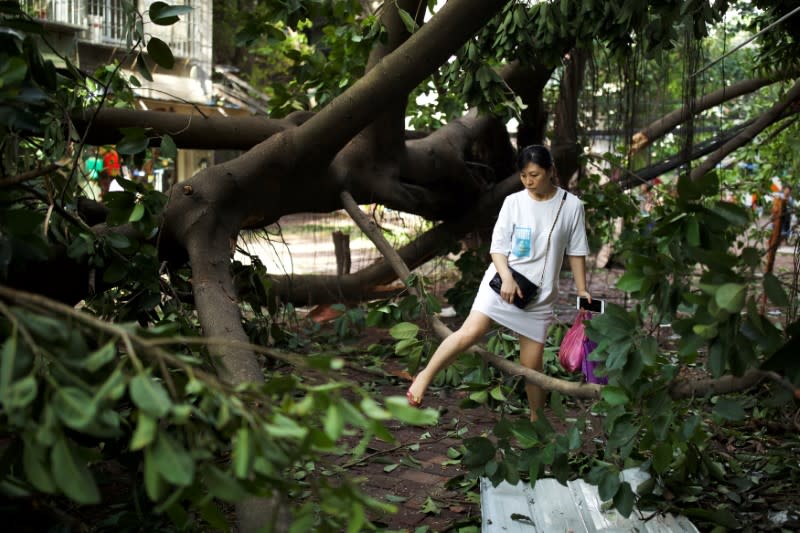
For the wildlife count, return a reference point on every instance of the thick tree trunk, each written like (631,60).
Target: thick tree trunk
(565,147)
(528,82)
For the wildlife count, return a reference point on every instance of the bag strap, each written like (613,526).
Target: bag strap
(547,249)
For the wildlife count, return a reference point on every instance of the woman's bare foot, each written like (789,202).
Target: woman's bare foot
(416,392)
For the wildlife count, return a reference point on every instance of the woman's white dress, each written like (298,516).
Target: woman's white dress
(521,233)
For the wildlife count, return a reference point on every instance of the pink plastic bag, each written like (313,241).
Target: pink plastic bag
(571,354)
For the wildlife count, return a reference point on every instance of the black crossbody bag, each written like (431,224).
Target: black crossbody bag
(529,289)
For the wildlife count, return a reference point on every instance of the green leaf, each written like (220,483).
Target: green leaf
(609,484)
(222,485)
(7,364)
(153,483)
(21,393)
(735,214)
(373,410)
(34,460)
(729,410)
(71,474)
(113,388)
(164,14)
(133,141)
(774,290)
(404,330)
(630,281)
(149,396)
(145,432)
(74,407)
(614,395)
(399,408)
(480,451)
(574,438)
(705,331)
(525,433)
(648,349)
(173,461)
(168,147)
(137,213)
(334,422)
(624,500)
(408,20)
(144,70)
(662,457)
(622,434)
(731,297)
(481,396)
(286,428)
(693,232)
(101,357)
(430,507)
(160,52)
(243,452)
(497,394)
(12,71)
(212,514)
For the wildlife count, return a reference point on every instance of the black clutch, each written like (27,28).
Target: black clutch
(529,289)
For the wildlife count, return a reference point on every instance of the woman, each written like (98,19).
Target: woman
(535,228)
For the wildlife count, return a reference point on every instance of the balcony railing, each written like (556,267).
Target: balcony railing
(105,22)
(69,12)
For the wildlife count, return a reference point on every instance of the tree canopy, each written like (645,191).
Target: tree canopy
(130,335)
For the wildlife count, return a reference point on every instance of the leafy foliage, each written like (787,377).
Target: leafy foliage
(80,393)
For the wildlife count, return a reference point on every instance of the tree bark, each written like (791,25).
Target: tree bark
(565,147)
(528,82)
(195,131)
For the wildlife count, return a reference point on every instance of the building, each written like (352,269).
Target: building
(92,33)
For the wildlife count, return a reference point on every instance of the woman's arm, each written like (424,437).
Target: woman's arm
(577,263)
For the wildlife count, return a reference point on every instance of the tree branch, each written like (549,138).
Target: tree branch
(667,123)
(749,133)
(193,131)
(565,147)
(29,175)
(725,384)
(386,134)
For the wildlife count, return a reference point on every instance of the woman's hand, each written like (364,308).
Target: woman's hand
(585,294)
(509,289)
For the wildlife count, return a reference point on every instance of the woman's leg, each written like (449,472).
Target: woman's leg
(474,327)
(530,356)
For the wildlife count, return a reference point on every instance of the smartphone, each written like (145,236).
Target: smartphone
(597,305)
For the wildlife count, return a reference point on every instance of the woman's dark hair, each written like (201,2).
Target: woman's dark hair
(536,154)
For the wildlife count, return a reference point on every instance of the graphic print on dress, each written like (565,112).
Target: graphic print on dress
(522,242)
